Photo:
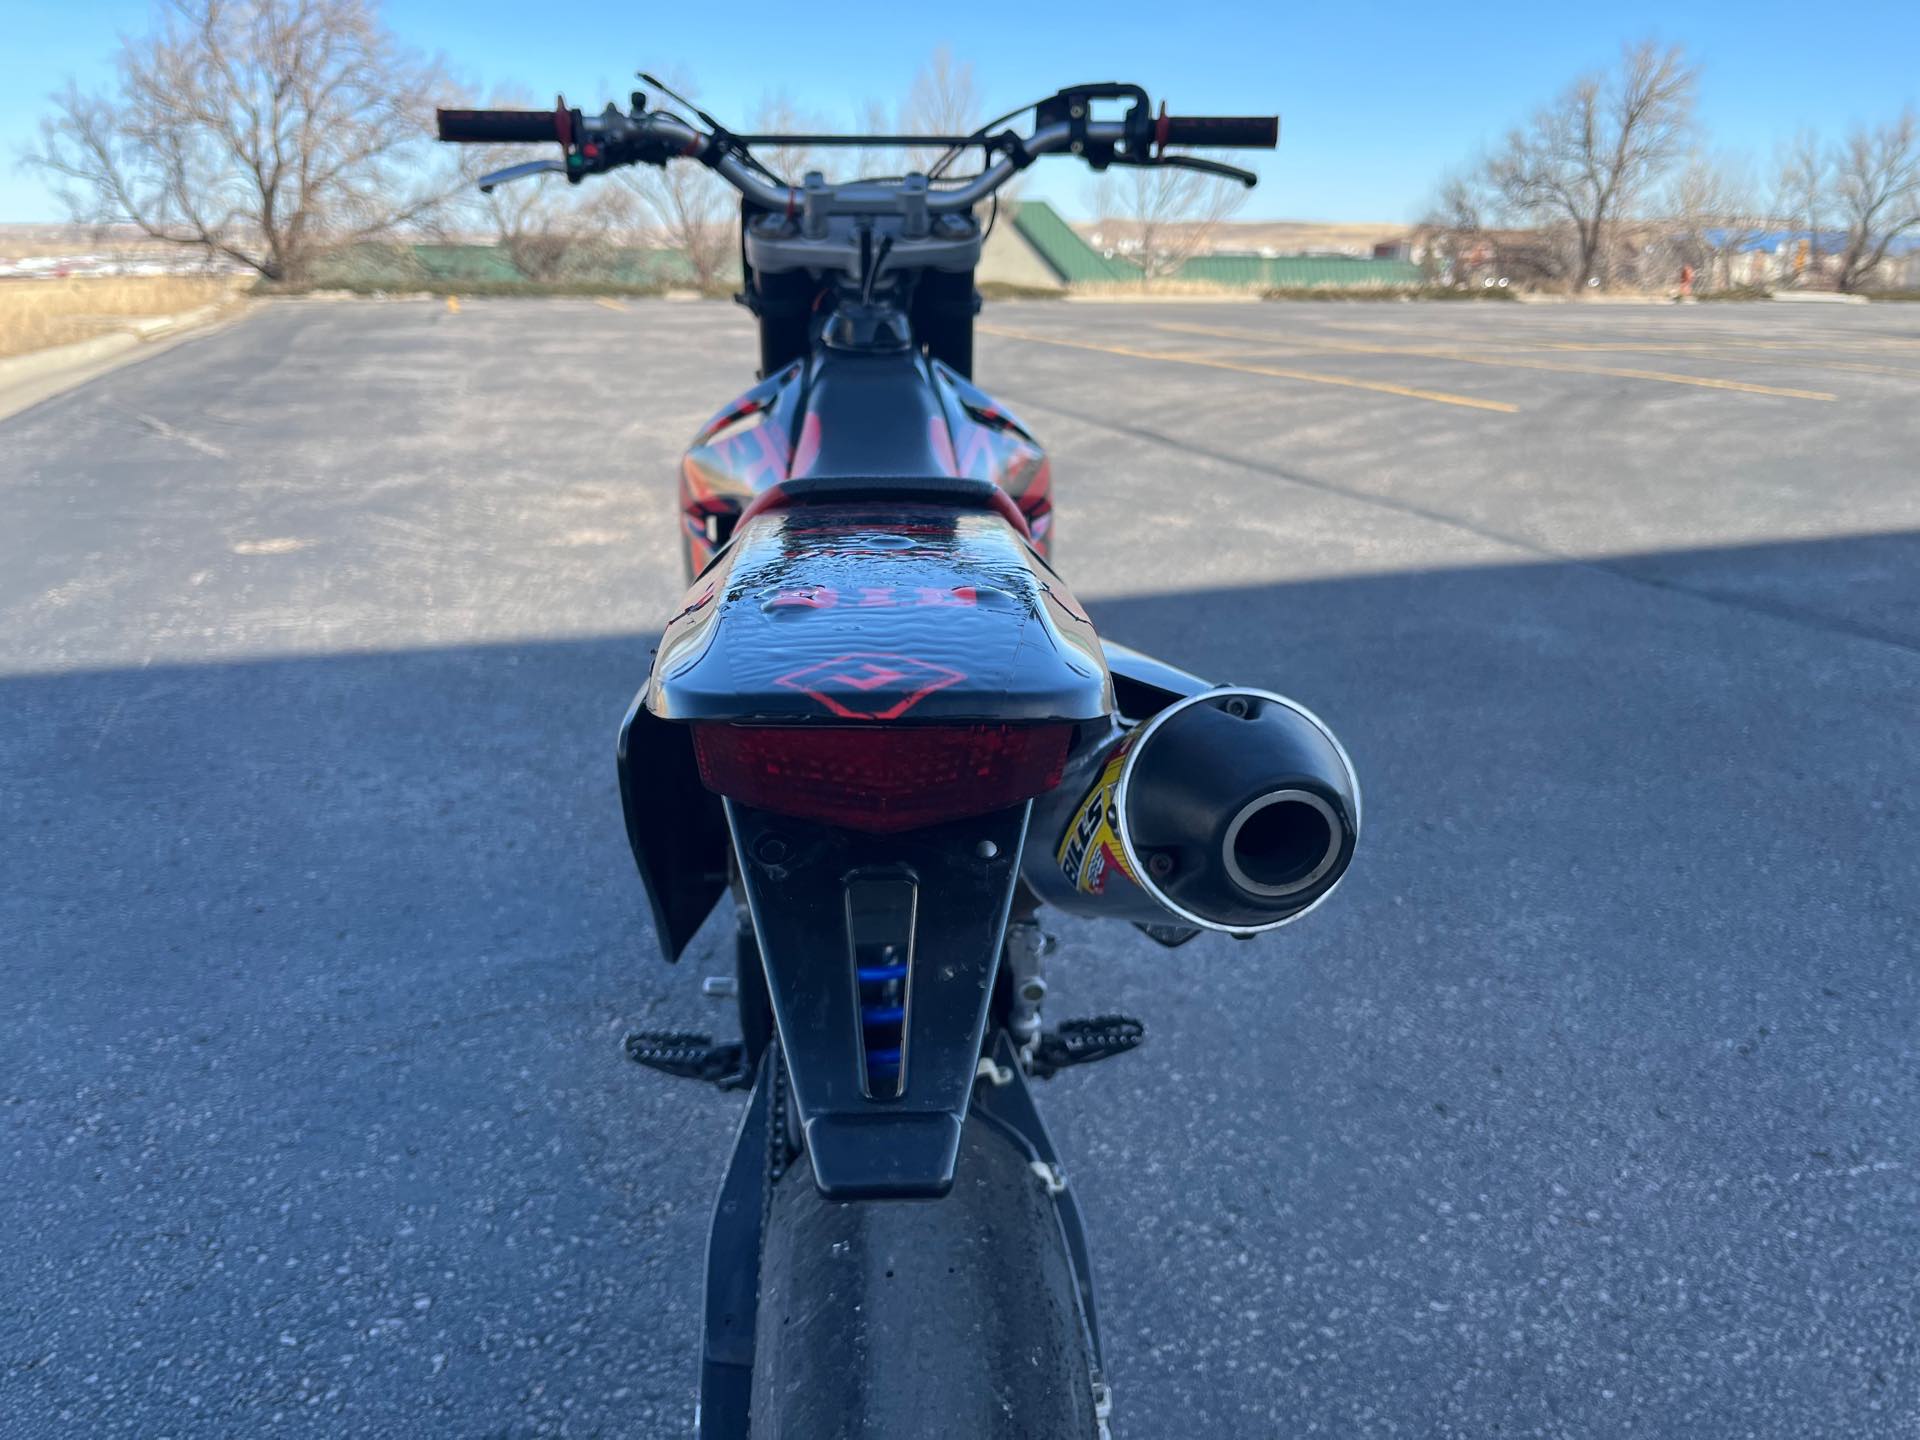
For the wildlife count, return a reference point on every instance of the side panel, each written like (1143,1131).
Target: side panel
(676,826)
(895,417)
(1144,686)
(990,443)
(745,448)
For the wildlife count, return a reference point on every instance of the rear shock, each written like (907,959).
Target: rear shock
(883,992)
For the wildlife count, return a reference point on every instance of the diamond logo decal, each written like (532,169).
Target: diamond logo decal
(871,686)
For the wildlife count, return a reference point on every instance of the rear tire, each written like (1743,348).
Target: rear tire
(922,1318)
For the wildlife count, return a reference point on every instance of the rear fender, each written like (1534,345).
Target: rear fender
(800,879)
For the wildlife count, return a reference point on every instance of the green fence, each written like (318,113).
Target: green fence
(1078,263)
(1301,272)
(1055,242)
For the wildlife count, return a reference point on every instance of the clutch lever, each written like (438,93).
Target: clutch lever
(520,172)
(1194,162)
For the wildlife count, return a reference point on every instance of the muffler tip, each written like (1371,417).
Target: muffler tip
(1231,809)
(1282,843)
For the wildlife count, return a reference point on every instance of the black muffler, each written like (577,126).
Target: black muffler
(1230,809)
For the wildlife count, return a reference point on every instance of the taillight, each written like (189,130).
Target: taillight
(881,777)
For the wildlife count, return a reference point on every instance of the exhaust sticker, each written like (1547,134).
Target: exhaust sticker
(1091,852)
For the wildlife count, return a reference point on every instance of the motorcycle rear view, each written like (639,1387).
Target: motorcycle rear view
(881,721)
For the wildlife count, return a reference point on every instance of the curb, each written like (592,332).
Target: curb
(26,380)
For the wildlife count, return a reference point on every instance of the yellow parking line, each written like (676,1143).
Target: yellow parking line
(453,305)
(1348,382)
(1464,357)
(1868,343)
(1796,355)
(1712,349)
(609,303)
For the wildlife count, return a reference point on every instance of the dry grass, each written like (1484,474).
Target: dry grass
(35,314)
(1162,289)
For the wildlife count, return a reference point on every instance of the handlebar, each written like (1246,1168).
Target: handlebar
(594,143)
(502,127)
(1238,132)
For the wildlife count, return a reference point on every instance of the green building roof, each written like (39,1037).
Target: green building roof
(1066,254)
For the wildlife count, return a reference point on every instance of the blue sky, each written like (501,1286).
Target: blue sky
(1376,99)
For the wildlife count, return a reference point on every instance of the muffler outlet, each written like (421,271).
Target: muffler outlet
(1231,809)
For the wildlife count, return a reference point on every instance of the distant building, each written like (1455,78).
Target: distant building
(1786,257)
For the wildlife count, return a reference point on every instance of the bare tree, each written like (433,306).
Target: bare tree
(777,114)
(1170,215)
(1710,215)
(1804,192)
(696,215)
(1465,240)
(257,130)
(1585,159)
(1455,233)
(1877,195)
(875,160)
(696,212)
(552,230)
(944,100)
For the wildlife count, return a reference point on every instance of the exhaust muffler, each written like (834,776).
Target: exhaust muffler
(1230,809)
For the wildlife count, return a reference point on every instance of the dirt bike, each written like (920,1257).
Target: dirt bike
(880,719)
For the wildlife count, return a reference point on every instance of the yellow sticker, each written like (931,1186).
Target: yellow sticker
(1091,851)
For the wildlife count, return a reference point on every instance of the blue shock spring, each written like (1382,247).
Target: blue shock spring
(882,1021)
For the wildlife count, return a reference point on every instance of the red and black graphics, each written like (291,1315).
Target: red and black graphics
(847,416)
(841,613)
(989,443)
(744,449)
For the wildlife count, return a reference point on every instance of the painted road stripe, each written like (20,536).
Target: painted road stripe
(1744,342)
(1345,382)
(609,303)
(1795,354)
(1467,357)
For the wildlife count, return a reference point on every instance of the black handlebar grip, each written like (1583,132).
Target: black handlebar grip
(492,127)
(1236,132)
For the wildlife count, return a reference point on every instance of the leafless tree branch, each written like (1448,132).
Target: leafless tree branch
(255,130)
(1877,194)
(1585,160)
(697,213)
(1171,215)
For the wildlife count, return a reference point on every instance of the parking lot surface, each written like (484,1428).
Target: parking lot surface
(1588,1107)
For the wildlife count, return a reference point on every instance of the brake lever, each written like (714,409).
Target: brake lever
(520,172)
(1194,162)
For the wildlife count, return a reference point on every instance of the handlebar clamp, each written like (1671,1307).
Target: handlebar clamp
(1073,108)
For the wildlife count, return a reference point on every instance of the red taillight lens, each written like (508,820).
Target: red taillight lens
(881,777)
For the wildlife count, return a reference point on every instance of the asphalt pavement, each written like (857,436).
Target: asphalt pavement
(1586,1108)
